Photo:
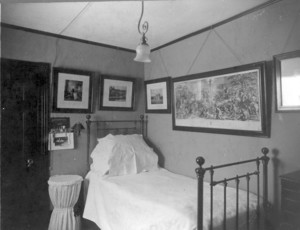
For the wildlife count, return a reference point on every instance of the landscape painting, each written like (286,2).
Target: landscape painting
(158,96)
(117,93)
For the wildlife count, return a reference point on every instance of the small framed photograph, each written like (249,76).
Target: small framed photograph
(72,91)
(59,123)
(158,95)
(61,141)
(117,93)
(287,73)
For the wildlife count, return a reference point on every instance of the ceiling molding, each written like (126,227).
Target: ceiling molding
(195,33)
(45,1)
(5,25)
(259,7)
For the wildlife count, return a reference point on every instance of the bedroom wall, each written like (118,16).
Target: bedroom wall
(252,38)
(21,45)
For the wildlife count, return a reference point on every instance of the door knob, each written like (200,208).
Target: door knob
(29,163)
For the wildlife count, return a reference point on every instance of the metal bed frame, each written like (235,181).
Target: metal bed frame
(103,127)
(200,175)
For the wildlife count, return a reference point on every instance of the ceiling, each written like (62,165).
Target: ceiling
(115,23)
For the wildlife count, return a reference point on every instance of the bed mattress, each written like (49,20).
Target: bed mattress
(158,200)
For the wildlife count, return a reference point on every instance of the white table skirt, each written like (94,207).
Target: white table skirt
(64,192)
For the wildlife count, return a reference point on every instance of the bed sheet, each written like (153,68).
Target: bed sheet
(158,200)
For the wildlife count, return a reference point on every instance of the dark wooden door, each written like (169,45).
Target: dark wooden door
(24,156)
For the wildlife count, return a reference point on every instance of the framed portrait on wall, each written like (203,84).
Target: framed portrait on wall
(117,93)
(158,96)
(228,101)
(72,91)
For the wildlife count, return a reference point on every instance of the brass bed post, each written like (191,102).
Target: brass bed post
(258,191)
(142,124)
(200,175)
(88,127)
(265,159)
(237,203)
(248,214)
(225,214)
(146,126)
(211,170)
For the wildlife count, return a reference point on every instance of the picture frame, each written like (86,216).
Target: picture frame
(59,123)
(158,95)
(227,101)
(60,141)
(287,74)
(72,91)
(117,93)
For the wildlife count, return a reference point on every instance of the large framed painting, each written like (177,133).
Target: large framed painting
(72,91)
(228,101)
(158,96)
(117,93)
(287,73)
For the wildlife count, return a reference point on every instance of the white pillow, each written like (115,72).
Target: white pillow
(101,154)
(131,155)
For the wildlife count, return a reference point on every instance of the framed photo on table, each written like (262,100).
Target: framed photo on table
(72,91)
(158,96)
(117,93)
(287,73)
(228,101)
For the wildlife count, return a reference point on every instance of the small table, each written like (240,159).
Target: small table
(64,192)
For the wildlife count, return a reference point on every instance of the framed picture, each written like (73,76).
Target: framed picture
(59,123)
(117,93)
(61,141)
(287,73)
(72,91)
(228,101)
(158,95)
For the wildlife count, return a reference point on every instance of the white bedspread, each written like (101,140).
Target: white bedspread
(158,200)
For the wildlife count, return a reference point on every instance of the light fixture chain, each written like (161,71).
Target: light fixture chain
(143,49)
(145,25)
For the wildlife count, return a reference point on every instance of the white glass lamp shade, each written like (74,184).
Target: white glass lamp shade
(142,53)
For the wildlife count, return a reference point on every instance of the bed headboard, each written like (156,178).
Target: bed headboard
(115,127)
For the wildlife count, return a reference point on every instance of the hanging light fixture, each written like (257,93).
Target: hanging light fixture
(143,49)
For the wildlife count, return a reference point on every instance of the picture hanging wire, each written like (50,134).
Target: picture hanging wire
(64,29)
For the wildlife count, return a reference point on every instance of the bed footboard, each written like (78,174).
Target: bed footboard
(200,171)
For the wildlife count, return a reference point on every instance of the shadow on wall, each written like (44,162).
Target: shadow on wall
(161,158)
